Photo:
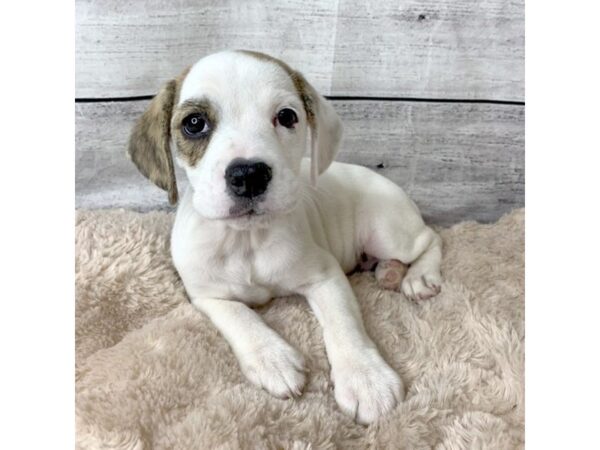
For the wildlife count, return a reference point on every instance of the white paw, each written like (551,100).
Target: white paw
(366,388)
(276,367)
(419,285)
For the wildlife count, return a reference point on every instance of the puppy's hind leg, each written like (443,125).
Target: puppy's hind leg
(400,243)
(423,279)
(389,274)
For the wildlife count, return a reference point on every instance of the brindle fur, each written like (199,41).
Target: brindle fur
(191,150)
(149,144)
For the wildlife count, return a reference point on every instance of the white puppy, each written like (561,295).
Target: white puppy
(257,224)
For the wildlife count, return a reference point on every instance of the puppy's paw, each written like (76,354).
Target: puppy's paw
(366,388)
(276,367)
(421,285)
(389,274)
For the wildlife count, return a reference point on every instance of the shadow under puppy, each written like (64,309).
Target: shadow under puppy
(256,223)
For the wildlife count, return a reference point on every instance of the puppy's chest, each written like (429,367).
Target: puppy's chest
(251,272)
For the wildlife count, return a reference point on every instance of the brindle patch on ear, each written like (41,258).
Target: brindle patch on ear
(304,89)
(149,146)
(191,150)
(149,143)
(307,94)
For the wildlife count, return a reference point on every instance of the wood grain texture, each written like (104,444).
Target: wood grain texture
(428,49)
(457,161)
(131,47)
(465,49)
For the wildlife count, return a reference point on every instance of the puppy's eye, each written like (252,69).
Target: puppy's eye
(287,117)
(195,126)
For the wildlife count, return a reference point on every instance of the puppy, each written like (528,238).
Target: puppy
(258,221)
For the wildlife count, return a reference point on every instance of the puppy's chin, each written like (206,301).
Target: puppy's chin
(257,217)
(260,215)
(249,220)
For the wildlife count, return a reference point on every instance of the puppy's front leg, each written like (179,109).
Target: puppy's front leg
(365,386)
(265,358)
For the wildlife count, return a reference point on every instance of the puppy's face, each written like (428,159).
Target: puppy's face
(240,130)
(240,122)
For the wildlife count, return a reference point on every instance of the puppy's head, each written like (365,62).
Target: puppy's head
(239,123)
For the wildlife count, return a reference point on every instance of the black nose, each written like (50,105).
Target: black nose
(247,178)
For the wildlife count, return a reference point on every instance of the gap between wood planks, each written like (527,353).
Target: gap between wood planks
(331,97)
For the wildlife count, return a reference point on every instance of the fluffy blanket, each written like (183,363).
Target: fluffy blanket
(152,372)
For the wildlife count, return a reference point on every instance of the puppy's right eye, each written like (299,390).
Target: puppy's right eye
(195,126)
(287,117)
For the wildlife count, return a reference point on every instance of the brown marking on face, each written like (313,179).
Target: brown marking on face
(149,143)
(305,90)
(189,149)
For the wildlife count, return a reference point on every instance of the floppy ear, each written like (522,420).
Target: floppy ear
(325,127)
(149,143)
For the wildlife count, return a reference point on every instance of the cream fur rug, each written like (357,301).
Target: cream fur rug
(152,372)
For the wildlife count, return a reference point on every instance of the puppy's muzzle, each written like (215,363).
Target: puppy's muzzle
(247,178)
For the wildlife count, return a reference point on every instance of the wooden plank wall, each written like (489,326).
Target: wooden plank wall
(431,92)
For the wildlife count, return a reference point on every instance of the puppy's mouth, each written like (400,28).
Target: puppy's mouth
(247,213)
(247,210)
(247,218)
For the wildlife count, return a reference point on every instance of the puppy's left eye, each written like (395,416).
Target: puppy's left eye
(287,117)
(195,126)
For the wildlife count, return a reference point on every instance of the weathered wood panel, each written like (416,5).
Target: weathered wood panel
(130,47)
(457,161)
(465,49)
(427,49)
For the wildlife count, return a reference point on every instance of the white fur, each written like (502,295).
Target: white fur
(303,240)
